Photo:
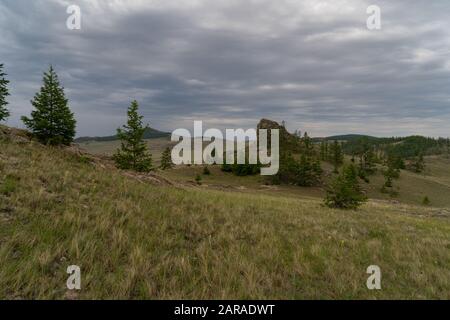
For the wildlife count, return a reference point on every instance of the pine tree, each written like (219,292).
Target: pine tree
(324,150)
(337,157)
(317,171)
(52,122)
(308,171)
(418,164)
(394,164)
(307,144)
(389,176)
(4,113)
(395,161)
(166,159)
(366,158)
(133,153)
(344,191)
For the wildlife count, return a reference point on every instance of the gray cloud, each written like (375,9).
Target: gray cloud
(230,63)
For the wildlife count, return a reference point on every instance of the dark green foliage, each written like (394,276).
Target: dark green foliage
(336,155)
(332,152)
(367,158)
(344,191)
(307,145)
(245,169)
(308,172)
(166,159)
(426,201)
(417,164)
(412,146)
(362,174)
(389,175)
(288,168)
(52,122)
(4,113)
(395,161)
(198,179)
(242,169)
(299,160)
(227,167)
(206,171)
(324,151)
(133,153)
(402,147)
(305,172)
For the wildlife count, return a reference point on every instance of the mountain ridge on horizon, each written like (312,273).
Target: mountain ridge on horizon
(150,133)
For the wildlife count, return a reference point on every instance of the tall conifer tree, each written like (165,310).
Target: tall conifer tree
(4,113)
(337,157)
(52,122)
(133,153)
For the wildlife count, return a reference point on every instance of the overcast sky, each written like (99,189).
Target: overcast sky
(231,62)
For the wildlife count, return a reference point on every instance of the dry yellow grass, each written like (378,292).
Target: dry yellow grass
(411,187)
(140,241)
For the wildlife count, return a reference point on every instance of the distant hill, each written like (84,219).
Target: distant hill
(345,137)
(406,147)
(150,133)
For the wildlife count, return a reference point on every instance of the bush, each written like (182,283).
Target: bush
(426,201)
(305,172)
(227,167)
(198,179)
(206,171)
(344,191)
(241,169)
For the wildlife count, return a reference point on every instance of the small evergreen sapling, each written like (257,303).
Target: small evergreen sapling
(344,191)
(166,159)
(133,153)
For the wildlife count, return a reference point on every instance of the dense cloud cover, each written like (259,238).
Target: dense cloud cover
(232,62)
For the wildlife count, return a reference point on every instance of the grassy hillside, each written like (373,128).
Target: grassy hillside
(136,240)
(412,187)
